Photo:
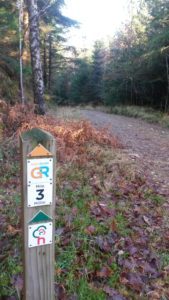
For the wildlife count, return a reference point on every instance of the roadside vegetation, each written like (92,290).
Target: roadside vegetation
(111,224)
(147,114)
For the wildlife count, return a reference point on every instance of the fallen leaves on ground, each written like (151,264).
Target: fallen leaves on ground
(112,234)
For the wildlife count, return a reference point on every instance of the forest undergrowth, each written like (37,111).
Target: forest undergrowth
(147,114)
(111,233)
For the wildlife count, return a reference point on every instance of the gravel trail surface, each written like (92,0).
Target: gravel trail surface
(146,144)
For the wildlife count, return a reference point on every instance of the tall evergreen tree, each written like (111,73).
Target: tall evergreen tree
(98,61)
(80,85)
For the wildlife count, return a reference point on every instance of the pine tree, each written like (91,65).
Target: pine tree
(98,61)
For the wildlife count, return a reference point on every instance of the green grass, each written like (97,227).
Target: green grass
(10,263)
(66,257)
(164,258)
(157,199)
(85,292)
(145,113)
(9,268)
(122,225)
(81,254)
(114,279)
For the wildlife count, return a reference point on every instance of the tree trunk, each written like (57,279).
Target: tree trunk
(50,62)
(44,64)
(37,73)
(20,3)
(167,96)
(131,91)
(25,48)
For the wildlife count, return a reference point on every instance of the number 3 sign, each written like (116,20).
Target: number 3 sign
(40,181)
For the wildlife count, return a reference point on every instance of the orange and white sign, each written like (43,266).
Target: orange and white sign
(40,181)
(38,151)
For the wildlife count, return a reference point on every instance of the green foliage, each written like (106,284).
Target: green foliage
(122,223)
(80,84)
(145,113)
(86,292)
(164,258)
(114,279)
(157,199)
(52,35)
(9,268)
(53,24)
(131,71)
(136,70)
(8,87)
(97,70)
(9,66)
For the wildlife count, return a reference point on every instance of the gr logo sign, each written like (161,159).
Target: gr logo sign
(39,170)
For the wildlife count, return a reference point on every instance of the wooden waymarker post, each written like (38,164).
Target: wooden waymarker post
(38,161)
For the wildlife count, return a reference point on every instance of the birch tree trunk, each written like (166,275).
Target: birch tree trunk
(50,63)
(34,39)
(44,64)
(20,7)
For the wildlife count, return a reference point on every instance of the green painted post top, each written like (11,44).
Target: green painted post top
(40,217)
(36,136)
(32,138)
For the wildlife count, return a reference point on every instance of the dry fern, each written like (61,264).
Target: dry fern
(72,136)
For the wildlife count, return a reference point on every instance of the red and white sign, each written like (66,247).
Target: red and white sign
(40,234)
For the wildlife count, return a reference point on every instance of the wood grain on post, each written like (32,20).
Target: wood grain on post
(39,260)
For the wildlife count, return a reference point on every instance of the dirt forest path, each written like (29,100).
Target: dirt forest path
(146,144)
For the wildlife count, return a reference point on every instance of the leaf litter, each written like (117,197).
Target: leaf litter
(112,235)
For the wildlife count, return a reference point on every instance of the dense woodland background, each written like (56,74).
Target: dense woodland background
(133,69)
